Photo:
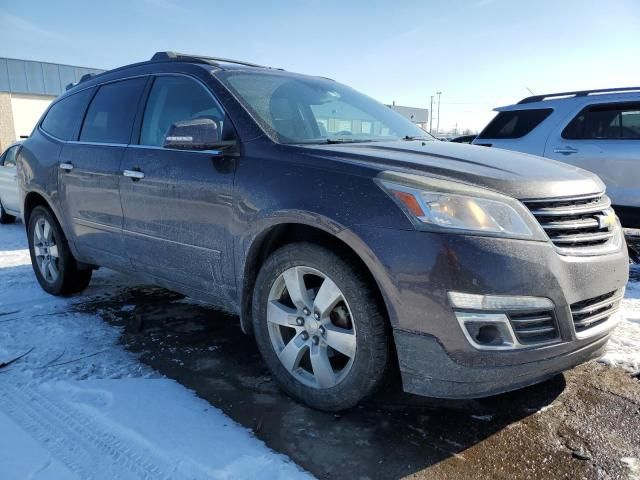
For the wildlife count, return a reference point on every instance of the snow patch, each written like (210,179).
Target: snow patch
(623,349)
(633,464)
(80,406)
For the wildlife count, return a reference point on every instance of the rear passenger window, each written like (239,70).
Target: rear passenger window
(618,121)
(515,123)
(175,99)
(112,111)
(64,116)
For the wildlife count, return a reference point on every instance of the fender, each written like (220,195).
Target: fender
(249,243)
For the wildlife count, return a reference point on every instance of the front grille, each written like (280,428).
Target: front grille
(594,311)
(534,327)
(576,223)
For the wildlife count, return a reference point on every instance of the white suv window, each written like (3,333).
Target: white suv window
(613,121)
(515,123)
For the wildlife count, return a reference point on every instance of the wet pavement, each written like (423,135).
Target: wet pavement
(583,424)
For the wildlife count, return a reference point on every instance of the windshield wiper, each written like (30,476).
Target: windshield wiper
(330,141)
(347,140)
(417,137)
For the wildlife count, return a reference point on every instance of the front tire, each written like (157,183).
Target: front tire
(53,263)
(319,327)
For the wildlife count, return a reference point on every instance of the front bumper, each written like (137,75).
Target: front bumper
(453,380)
(435,357)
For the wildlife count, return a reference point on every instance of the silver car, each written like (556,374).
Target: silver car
(9,199)
(598,130)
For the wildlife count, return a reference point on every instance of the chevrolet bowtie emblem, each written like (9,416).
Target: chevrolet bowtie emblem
(606,221)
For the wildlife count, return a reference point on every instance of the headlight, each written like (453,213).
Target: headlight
(435,204)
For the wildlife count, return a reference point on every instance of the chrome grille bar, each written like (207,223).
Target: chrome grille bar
(595,311)
(576,224)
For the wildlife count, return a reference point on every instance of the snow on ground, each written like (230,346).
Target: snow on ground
(624,347)
(79,406)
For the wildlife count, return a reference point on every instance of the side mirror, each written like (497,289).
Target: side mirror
(198,134)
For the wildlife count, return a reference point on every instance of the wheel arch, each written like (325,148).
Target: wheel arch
(346,243)
(35,198)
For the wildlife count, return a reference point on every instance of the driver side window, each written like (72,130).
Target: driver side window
(176,99)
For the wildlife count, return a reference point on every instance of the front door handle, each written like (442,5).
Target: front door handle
(66,166)
(133,174)
(565,150)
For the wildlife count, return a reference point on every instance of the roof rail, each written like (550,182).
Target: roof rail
(83,78)
(167,56)
(579,93)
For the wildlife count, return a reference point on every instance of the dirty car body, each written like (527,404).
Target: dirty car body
(494,269)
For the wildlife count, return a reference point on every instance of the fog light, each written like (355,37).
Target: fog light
(489,335)
(487,331)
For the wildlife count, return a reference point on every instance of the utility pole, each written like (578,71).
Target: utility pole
(431,116)
(438,128)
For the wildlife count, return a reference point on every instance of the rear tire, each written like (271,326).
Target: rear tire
(298,346)
(53,263)
(5,217)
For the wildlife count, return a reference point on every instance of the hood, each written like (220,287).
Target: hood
(518,175)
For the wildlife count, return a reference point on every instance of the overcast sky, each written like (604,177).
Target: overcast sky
(480,53)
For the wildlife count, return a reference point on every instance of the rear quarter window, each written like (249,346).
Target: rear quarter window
(515,123)
(63,117)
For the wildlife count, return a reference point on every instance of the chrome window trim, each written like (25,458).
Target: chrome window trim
(129,145)
(87,87)
(99,144)
(156,147)
(52,137)
(138,145)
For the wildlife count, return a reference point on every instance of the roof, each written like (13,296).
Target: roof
(39,78)
(165,58)
(220,62)
(579,93)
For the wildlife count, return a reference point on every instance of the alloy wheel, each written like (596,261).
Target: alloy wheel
(45,250)
(311,327)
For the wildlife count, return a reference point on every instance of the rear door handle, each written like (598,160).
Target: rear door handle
(133,174)
(66,166)
(565,150)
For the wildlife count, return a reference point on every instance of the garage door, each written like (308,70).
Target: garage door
(27,110)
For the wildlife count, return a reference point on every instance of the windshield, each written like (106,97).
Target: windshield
(297,109)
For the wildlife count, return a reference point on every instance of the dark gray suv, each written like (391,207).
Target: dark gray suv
(349,242)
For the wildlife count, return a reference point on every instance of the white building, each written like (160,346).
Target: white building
(419,116)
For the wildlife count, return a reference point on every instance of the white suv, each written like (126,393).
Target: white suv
(598,130)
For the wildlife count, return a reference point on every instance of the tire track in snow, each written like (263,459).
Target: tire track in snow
(87,448)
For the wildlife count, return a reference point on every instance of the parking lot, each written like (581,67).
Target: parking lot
(583,424)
